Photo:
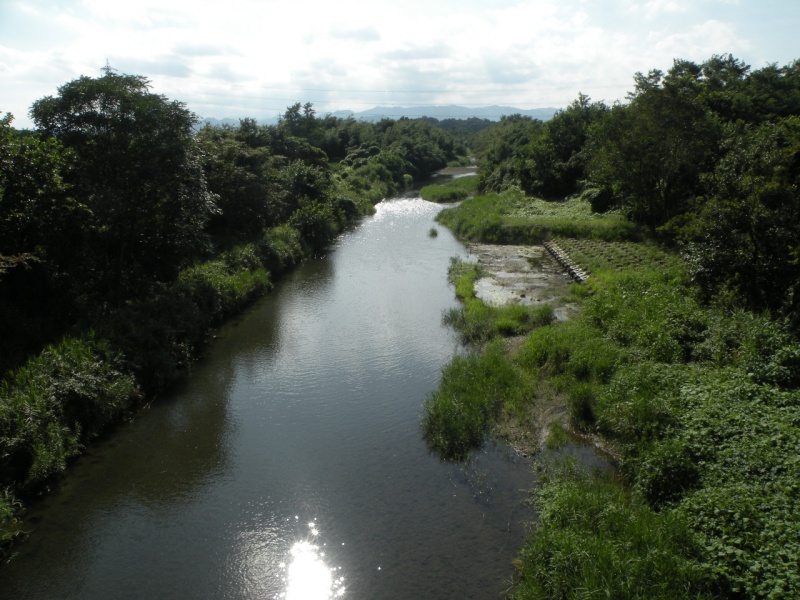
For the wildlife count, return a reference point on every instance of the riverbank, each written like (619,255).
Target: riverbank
(688,395)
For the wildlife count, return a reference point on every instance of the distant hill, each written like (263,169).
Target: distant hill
(492,113)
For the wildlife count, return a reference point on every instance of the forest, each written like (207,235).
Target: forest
(127,232)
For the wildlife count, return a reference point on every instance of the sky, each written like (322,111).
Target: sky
(254,58)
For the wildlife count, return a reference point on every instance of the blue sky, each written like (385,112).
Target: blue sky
(254,58)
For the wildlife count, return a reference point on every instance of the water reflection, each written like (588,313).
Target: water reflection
(308,576)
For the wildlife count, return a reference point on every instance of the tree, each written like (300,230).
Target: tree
(138,170)
(42,231)
(35,207)
(744,231)
(649,154)
(240,170)
(554,163)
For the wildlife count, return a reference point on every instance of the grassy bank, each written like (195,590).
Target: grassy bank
(699,402)
(511,218)
(459,188)
(55,404)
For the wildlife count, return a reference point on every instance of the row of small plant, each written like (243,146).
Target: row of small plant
(74,390)
(597,256)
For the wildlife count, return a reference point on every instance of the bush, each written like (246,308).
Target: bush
(54,404)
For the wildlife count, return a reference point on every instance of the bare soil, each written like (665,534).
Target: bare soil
(521,275)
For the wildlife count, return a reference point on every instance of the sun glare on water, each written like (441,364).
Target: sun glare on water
(308,577)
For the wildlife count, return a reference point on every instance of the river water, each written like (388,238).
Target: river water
(290,463)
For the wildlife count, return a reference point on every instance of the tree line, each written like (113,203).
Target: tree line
(115,192)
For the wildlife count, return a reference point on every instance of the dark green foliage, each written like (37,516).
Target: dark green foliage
(41,230)
(463,131)
(650,154)
(138,170)
(9,521)
(241,169)
(553,165)
(498,147)
(54,404)
(743,233)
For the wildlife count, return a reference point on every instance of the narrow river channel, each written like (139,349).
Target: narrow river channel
(290,463)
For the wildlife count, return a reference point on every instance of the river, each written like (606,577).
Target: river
(290,462)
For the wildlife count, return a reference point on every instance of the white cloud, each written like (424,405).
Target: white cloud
(265,55)
(700,41)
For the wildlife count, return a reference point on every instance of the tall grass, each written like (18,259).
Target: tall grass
(595,541)
(56,403)
(9,509)
(473,390)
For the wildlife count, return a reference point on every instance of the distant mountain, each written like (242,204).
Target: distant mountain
(217,122)
(492,113)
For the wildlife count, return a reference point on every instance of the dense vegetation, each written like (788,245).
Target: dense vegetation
(126,235)
(684,359)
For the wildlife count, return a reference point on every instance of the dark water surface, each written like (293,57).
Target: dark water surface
(290,463)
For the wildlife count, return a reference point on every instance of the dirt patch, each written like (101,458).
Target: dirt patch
(521,275)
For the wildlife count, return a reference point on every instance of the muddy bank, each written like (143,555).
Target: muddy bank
(525,275)
(530,275)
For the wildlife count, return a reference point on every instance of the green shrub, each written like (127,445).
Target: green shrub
(594,541)
(280,248)
(9,519)
(51,406)
(638,404)
(473,389)
(581,397)
(666,470)
(571,348)
(654,312)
